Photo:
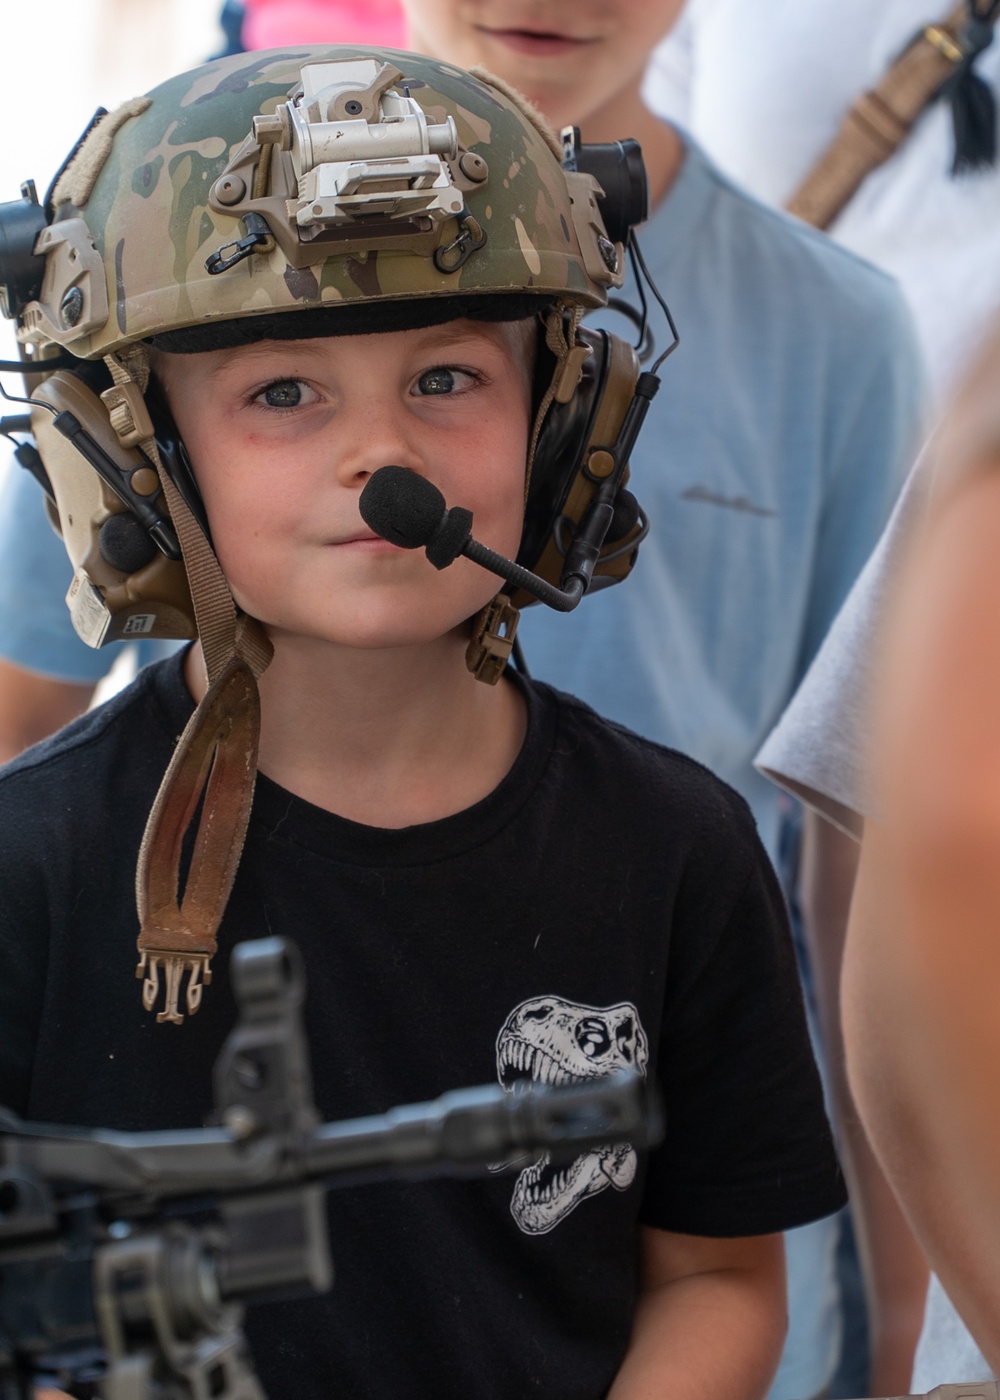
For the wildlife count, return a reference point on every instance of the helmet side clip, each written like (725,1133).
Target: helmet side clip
(610,198)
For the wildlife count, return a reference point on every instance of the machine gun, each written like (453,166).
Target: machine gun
(126,1259)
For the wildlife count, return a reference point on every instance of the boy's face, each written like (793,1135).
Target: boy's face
(572,58)
(283,436)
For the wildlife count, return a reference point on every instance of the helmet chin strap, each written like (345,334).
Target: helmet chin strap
(214,767)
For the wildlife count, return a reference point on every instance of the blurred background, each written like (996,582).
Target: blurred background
(98,53)
(65,58)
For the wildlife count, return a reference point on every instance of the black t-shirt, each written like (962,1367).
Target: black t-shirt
(607,904)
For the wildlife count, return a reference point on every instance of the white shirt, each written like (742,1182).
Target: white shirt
(764,84)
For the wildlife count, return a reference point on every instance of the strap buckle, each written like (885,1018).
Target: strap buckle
(944,42)
(471,237)
(492,639)
(258,238)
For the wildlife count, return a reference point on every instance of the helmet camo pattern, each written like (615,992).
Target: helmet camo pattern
(140,215)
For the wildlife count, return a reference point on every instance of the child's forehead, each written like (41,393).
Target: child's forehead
(390,344)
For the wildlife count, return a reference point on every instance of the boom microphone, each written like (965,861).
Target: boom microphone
(408,510)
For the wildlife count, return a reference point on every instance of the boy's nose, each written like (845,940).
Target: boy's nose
(371,440)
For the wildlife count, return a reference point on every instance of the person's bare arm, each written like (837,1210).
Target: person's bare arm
(33,706)
(710,1320)
(903,1086)
(922,962)
(894,1268)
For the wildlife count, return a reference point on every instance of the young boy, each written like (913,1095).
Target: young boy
(481,880)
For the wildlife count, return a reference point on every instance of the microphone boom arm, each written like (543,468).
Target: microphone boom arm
(563,599)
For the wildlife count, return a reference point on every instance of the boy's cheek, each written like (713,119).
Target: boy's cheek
(440,22)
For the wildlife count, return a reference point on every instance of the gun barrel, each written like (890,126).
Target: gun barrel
(469,1129)
(465,1131)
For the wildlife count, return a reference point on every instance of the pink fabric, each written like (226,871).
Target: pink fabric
(271,24)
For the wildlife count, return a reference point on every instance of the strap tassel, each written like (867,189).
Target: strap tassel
(972,101)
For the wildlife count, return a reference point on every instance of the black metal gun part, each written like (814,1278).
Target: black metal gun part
(126,1259)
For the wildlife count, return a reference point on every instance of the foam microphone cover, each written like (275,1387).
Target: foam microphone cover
(402,507)
(125,544)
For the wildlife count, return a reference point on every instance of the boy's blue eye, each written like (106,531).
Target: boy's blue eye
(436,381)
(285,393)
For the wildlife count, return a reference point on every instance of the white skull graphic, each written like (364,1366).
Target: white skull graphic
(561,1042)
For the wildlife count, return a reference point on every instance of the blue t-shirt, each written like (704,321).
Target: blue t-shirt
(767,465)
(35,573)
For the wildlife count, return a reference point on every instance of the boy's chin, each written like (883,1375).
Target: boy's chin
(372,634)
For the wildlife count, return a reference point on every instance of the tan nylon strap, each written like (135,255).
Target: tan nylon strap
(214,768)
(214,609)
(880,120)
(213,765)
(560,344)
(223,631)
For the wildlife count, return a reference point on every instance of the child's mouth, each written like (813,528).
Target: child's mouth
(365,542)
(533,43)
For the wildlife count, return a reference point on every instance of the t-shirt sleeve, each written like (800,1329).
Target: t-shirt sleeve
(35,627)
(874,428)
(819,748)
(748,1148)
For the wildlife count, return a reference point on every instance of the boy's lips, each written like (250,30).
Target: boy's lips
(364,540)
(534,43)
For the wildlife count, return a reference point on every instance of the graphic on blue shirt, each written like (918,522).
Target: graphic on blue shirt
(554,1041)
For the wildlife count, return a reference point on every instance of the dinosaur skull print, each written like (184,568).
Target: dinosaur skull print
(554,1041)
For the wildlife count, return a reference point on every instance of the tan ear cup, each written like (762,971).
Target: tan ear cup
(123,586)
(597,460)
(494,629)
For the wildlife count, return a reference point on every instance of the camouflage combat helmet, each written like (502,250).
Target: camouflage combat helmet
(293,180)
(293,193)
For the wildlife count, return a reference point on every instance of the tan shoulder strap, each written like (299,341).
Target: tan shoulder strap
(213,767)
(880,120)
